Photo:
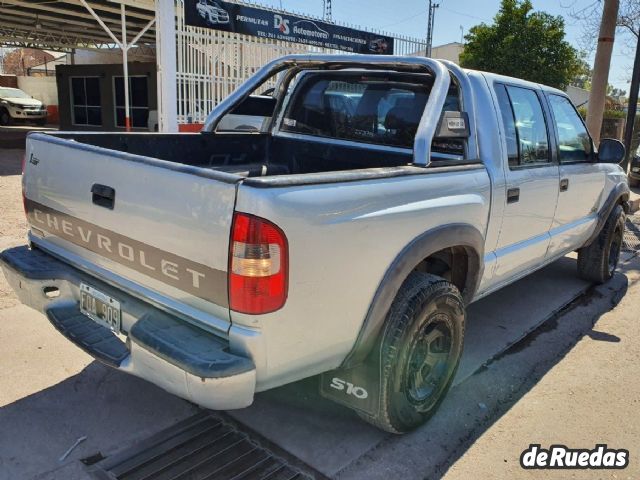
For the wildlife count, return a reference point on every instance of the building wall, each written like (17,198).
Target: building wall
(44,89)
(579,96)
(105,73)
(10,81)
(450,51)
(40,88)
(89,57)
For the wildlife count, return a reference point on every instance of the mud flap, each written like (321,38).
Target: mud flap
(357,388)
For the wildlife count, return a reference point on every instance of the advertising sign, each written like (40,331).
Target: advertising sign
(258,22)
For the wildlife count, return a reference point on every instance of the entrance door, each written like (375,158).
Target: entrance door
(532,183)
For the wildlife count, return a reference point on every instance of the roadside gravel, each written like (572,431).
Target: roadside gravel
(13,227)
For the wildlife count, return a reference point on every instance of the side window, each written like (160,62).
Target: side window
(574,142)
(509,125)
(533,140)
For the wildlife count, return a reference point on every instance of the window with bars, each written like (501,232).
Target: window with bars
(86,109)
(138,101)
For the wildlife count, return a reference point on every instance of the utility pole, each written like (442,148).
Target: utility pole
(430,21)
(327,10)
(601,66)
(633,104)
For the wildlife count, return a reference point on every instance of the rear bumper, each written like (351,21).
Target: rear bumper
(163,349)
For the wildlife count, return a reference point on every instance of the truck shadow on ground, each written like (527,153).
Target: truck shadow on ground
(15,136)
(10,160)
(115,410)
(337,443)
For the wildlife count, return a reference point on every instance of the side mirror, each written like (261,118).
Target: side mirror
(611,151)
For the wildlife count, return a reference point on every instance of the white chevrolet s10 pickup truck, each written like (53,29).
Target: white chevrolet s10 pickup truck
(342,234)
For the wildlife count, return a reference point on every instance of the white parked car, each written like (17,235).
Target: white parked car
(18,105)
(212,12)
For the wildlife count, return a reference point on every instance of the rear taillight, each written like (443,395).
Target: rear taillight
(258,265)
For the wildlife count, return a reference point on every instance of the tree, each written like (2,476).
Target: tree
(18,61)
(583,80)
(583,76)
(615,92)
(524,44)
(628,22)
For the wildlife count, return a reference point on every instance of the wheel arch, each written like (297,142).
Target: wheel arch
(457,239)
(619,195)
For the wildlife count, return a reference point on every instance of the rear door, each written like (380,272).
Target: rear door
(581,179)
(158,232)
(532,179)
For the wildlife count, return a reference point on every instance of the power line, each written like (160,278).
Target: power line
(466,14)
(406,19)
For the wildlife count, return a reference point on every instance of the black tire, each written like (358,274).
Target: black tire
(427,314)
(634,183)
(597,262)
(5,118)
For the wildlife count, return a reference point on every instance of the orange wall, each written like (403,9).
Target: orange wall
(190,127)
(52,114)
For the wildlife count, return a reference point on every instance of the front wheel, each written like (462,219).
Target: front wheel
(420,350)
(598,261)
(5,117)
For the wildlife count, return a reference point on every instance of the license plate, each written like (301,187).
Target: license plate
(99,307)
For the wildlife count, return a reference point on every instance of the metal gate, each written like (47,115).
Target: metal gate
(212,63)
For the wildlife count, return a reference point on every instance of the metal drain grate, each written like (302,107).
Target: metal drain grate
(201,447)
(631,242)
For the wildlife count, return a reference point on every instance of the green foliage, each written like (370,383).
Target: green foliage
(614,114)
(583,112)
(524,44)
(583,76)
(615,92)
(606,114)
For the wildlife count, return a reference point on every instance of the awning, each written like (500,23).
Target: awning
(68,24)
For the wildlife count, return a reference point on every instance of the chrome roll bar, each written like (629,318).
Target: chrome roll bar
(430,117)
(468,105)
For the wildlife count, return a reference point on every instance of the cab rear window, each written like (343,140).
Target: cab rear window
(380,109)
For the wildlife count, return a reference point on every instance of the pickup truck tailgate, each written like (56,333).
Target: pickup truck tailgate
(158,229)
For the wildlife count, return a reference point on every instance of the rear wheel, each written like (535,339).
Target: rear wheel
(420,350)
(5,118)
(598,261)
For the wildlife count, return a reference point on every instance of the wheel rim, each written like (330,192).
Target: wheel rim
(429,362)
(614,251)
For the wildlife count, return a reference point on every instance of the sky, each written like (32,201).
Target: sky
(409,17)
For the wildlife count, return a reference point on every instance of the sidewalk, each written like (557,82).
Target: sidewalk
(592,396)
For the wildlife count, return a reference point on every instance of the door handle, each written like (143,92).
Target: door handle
(103,196)
(564,184)
(513,195)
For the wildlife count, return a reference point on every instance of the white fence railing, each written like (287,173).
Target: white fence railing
(212,63)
